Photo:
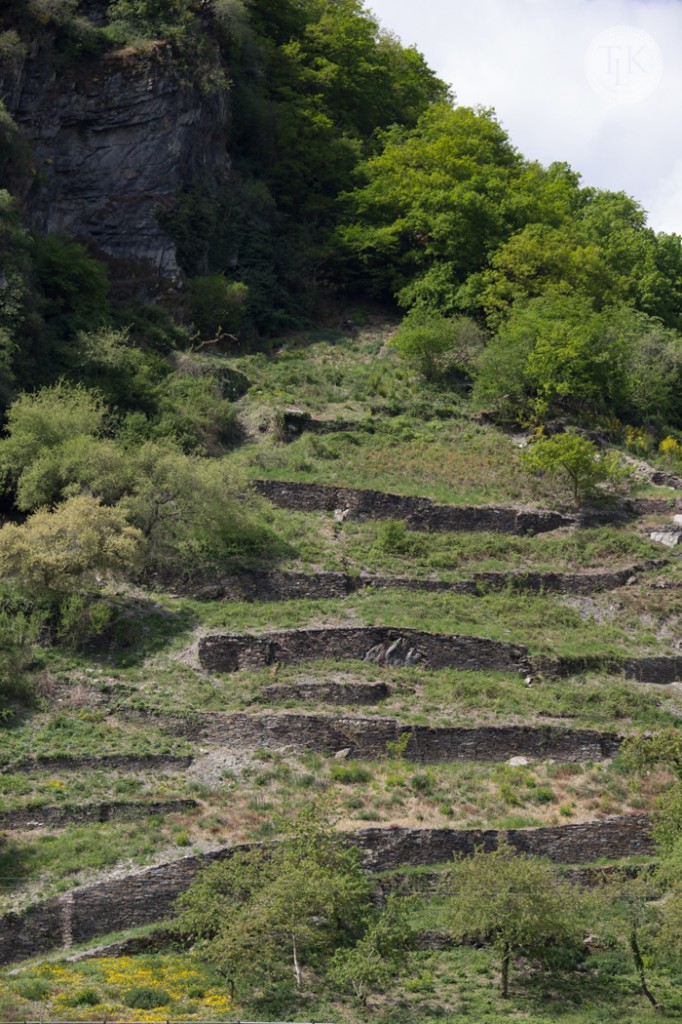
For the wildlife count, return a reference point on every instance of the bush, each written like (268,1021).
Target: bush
(140,998)
(54,555)
(349,774)
(191,511)
(86,997)
(75,286)
(438,347)
(393,538)
(217,305)
(41,423)
(193,412)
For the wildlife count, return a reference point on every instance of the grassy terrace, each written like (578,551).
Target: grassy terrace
(316,541)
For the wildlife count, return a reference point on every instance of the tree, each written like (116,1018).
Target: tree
(628,903)
(191,511)
(516,901)
(575,458)
(268,914)
(433,205)
(553,354)
(383,952)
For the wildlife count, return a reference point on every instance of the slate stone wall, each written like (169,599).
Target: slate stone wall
(368,738)
(417,513)
(148,896)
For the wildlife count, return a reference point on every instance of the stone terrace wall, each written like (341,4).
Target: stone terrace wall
(383,645)
(661,669)
(328,693)
(388,849)
(368,737)
(113,762)
(417,513)
(53,816)
(271,585)
(148,896)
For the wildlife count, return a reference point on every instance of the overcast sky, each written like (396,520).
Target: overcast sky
(596,83)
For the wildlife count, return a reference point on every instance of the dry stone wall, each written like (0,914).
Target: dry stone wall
(148,896)
(384,645)
(327,693)
(378,644)
(417,513)
(113,762)
(53,816)
(271,585)
(368,737)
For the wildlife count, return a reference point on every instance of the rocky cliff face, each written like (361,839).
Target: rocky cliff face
(115,139)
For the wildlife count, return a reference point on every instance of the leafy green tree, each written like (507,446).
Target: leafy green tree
(266,915)
(20,323)
(378,958)
(542,258)
(433,205)
(575,458)
(191,511)
(218,306)
(629,906)
(517,902)
(75,286)
(554,354)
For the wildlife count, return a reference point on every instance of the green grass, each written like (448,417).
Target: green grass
(39,865)
(84,733)
(34,790)
(454,986)
(318,542)
(546,624)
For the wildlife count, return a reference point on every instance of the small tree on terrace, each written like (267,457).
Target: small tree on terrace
(577,460)
(267,915)
(516,901)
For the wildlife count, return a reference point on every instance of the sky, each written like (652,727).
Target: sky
(594,83)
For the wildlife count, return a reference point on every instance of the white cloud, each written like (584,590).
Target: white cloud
(526,58)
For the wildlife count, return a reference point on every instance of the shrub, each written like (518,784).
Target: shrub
(75,286)
(436,346)
(86,997)
(45,420)
(56,554)
(349,774)
(191,511)
(193,411)
(217,304)
(141,998)
(393,538)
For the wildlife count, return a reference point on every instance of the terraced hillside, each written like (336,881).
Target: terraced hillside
(445,652)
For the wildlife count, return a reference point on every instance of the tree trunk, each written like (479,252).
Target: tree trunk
(639,965)
(297,968)
(504,978)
